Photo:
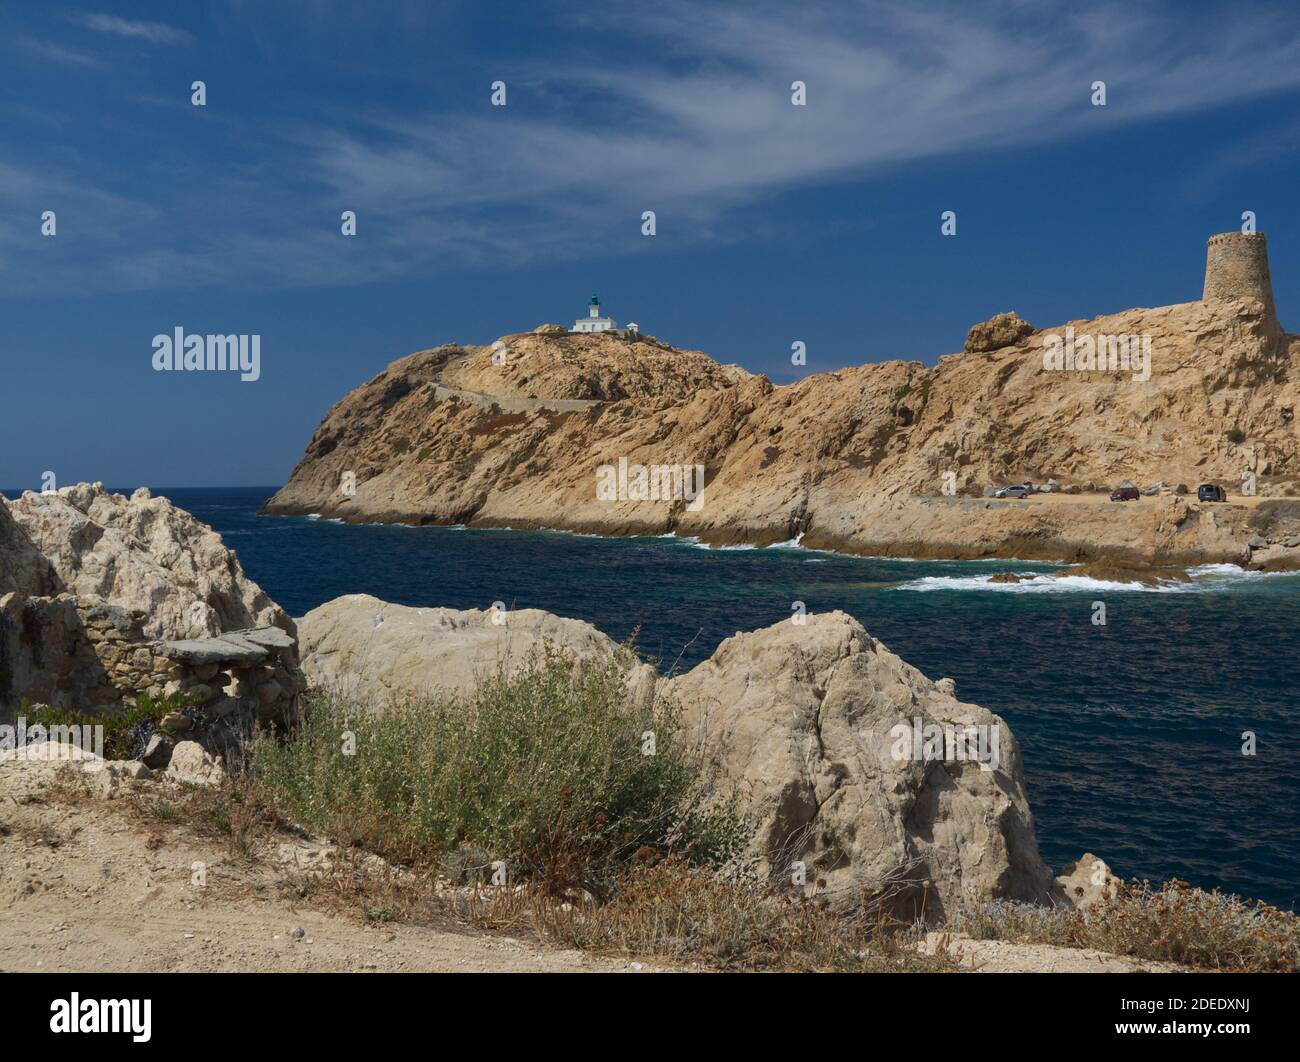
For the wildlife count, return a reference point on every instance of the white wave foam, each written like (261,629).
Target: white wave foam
(1205,578)
(1041,584)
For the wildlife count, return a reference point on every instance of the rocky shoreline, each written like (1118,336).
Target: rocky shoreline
(890,459)
(802,718)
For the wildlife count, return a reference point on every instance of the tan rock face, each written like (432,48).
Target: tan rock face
(600,365)
(858,459)
(803,720)
(1087,880)
(1002,330)
(144,553)
(377,652)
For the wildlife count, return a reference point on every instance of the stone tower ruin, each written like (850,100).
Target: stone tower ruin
(1236,267)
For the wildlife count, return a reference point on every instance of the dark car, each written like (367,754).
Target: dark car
(1124,494)
(1013,492)
(1211,492)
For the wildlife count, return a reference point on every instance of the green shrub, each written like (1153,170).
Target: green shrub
(543,770)
(125,733)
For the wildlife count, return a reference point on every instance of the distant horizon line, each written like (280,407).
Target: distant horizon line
(127,490)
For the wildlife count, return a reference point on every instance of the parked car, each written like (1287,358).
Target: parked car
(1125,494)
(1211,492)
(1017,491)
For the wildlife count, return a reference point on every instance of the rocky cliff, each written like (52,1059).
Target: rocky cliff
(890,458)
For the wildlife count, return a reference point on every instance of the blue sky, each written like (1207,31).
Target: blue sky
(775,223)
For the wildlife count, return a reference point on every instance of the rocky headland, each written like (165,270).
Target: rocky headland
(892,459)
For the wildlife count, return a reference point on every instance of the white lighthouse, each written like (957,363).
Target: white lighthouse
(594,322)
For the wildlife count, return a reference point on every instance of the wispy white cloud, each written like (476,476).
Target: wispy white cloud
(688,114)
(153,32)
(713,127)
(59,53)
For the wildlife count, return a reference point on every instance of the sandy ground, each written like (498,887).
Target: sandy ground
(84,887)
(998,956)
(87,886)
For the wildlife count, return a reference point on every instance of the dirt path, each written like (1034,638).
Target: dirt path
(86,888)
(86,885)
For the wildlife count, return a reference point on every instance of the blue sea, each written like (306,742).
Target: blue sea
(1131,733)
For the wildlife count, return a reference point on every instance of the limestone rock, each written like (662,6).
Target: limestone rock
(801,719)
(175,723)
(376,651)
(23,568)
(191,764)
(1087,880)
(1002,330)
(143,553)
(158,751)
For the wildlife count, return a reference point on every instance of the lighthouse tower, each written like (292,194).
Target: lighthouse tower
(593,322)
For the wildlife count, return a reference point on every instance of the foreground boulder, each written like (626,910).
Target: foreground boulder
(800,720)
(803,720)
(1086,881)
(143,553)
(377,652)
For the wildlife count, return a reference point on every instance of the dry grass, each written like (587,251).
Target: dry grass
(1172,923)
(687,915)
(234,813)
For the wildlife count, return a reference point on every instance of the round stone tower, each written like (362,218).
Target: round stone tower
(1236,267)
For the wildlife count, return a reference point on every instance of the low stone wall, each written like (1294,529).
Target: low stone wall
(231,682)
(126,654)
(96,660)
(47,658)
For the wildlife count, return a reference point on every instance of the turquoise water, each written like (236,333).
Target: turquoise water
(1130,733)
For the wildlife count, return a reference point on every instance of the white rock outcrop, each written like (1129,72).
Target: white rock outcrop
(363,647)
(804,720)
(144,553)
